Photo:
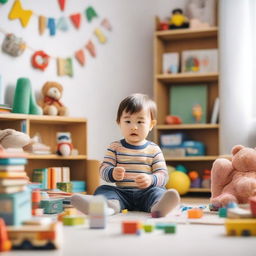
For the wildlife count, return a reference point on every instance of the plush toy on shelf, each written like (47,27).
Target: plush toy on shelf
(51,105)
(10,138)
(178,20)
(234,180)
(64,144)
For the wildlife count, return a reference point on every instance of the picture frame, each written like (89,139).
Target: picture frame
(171,63)
(200,61)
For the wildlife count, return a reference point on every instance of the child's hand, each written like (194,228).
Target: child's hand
(143,180)
(118,173)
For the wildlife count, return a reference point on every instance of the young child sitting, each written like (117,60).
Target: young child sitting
(136,165)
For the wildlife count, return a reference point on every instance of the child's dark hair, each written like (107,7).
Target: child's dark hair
(135,103)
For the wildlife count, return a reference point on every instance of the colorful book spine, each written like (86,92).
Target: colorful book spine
(41,176)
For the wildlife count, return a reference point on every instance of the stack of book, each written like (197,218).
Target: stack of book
(4,108)
(13,177)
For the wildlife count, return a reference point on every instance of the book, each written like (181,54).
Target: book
(183,98)
(11,168)
(65,174)
(170,63)
(12,189)
(12,161)
(12,174)
(13,182)
(215,111)
(40,176)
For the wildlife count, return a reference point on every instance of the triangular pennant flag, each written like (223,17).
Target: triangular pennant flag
(52,27)
(62,4)
(18,13)
(41,24)
(90,13)
(80,57)
(105,23)
(65,67)
(91,48)
(62,24)
(76,19)
(101,37)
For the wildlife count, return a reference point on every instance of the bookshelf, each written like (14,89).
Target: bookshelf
(81,168)
(180,40)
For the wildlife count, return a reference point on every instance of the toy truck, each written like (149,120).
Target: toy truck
(29,237)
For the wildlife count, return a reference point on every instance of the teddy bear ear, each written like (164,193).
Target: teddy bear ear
(236,149)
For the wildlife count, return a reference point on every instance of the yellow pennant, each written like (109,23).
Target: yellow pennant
(18,13)
(101,37)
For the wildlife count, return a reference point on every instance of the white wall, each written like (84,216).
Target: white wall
(123,66)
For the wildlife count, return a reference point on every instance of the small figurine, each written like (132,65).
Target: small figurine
(178,20)
(64,144)
(197,112)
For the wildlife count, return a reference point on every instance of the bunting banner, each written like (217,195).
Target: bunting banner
(62,23)
(15,46)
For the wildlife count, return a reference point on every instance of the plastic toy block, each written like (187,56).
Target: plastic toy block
(161,225)
(195,213)
(97,221)
(73,220)
(156,214)
(148,228)
(237,213)
(52,205)
(131,227)
(240,227)
(124,211)
(222,212)
(5,243)
(252,201)
(170,228)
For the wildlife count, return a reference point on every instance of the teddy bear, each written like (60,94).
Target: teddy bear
(51,105)
(234,180)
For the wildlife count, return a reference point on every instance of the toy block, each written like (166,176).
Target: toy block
(160,225)
(252,201)
(222,212)
(131,227)
(170,228)
(124,211)
(51,205)
(237,213)
(97,222)
(73,220)
(240,227)
(148,228)
(5,243)
(16,207)
(195,213)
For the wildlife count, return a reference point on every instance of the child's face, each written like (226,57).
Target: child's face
(135,127)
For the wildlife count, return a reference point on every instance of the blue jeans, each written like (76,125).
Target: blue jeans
(130,198)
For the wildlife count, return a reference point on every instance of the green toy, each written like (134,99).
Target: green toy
(3,1)
(24,100)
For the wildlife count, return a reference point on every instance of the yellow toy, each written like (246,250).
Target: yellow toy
(240,227)
(178,20)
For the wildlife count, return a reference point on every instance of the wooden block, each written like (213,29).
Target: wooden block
(131,227)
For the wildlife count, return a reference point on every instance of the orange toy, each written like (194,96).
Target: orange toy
(195,213)
(5,243)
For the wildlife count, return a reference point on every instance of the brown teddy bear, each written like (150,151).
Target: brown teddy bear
(235,180)
(51,105)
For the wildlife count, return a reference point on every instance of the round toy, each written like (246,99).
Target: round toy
(179,181)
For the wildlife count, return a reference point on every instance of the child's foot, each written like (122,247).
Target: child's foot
(82,203)
(167,202)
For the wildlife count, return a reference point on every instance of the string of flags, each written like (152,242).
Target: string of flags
(15,46)
(53,24)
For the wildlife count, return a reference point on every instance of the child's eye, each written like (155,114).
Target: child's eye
(140,122)
(127,121)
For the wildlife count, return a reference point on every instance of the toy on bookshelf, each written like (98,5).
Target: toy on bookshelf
(64,143)
(178,20)
(51,105)
(169,119)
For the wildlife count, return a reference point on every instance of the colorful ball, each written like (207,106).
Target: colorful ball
(179,181)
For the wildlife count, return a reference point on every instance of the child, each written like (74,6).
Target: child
(136,165)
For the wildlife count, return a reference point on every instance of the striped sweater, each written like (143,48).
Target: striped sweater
(147,158)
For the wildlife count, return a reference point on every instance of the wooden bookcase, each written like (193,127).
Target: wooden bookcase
(81,168)
(178,41)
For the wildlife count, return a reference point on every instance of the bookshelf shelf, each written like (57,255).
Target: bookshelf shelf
(178,41)
(81,168)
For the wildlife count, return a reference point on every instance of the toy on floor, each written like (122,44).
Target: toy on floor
(235,180)
(51,105)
